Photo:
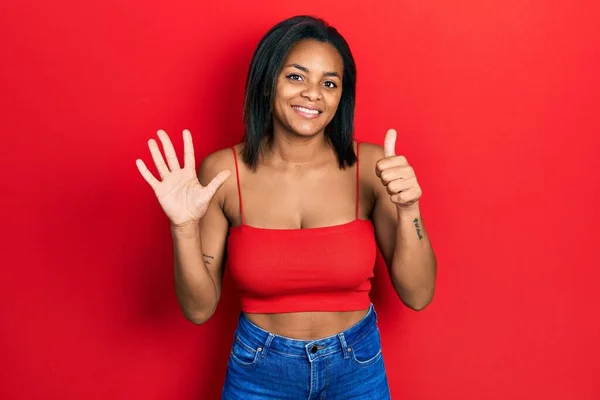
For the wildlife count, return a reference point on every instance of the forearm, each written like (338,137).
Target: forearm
(194,286)
(414,266)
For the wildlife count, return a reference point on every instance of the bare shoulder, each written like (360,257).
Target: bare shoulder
(369,155)
(215,162)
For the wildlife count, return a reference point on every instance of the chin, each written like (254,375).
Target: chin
(307,131)
(307,128)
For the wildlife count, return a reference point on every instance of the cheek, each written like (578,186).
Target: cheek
(278,102)
(285,92)
(333,102)
(283,96)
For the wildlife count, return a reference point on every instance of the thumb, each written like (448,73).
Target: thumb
(389,143)
(217,181)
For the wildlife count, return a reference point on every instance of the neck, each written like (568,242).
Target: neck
(295,149)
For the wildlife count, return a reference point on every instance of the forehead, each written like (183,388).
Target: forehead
(315,55)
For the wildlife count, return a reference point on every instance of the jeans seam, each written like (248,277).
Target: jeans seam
(370,361)
(326,377)
(244,364)
(245,346)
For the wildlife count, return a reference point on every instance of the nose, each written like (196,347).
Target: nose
(312,92)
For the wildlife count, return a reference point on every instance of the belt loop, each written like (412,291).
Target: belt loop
(344,345)
(267,345)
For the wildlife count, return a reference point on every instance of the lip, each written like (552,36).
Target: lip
(308,107)
(305,115)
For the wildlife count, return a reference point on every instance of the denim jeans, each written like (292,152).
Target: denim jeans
(348,365)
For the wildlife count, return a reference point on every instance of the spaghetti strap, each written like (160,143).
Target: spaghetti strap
(237,174)
(357,191)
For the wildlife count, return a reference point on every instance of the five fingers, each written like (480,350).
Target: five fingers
(172,163)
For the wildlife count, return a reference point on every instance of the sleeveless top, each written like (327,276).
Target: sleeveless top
(292,270)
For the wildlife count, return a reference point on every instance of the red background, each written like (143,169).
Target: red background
(496,105)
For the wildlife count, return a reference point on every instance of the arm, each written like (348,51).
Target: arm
(199,250)
(405,246)
(400,232)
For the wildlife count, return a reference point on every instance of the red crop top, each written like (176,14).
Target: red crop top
(292,270)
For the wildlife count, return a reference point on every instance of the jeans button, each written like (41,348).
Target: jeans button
(313,349)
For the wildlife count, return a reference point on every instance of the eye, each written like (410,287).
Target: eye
(330,84)
(294,77)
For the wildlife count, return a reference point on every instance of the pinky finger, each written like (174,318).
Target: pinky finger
(146,174)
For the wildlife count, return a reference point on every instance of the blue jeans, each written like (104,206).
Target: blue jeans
(348,365)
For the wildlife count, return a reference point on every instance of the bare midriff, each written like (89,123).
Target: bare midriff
(307,325)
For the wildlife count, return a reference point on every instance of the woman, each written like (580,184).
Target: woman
(299,223)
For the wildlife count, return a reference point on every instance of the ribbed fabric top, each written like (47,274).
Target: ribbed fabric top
(292,270)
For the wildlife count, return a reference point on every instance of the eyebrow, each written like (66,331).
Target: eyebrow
(303,68)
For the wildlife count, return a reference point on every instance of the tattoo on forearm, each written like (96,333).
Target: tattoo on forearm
(207,259)
(418,227)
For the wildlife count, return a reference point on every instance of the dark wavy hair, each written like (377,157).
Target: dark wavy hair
(261,81)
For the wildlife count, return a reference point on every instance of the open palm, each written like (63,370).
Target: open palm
(179,191)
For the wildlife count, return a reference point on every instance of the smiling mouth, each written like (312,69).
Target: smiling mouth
(307,112)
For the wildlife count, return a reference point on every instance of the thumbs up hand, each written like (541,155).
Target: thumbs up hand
(397,175)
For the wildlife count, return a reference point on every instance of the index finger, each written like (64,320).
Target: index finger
(189,160)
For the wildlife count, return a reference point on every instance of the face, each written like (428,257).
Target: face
(308,89)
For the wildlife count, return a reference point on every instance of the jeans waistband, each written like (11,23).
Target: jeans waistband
(265,341)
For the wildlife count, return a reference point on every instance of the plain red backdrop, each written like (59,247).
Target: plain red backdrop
(496,105)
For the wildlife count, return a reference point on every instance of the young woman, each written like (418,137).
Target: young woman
(299,223)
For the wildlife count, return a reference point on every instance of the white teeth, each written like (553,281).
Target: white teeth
(306,110)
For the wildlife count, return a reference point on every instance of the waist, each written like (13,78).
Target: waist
(307,325)
(259,337)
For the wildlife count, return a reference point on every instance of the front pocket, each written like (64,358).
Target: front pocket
(368,350)
(243,353)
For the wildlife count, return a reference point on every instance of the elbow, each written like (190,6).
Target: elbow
(197,311)
(425,301)
(418,302)
(197,318)
(420,306)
